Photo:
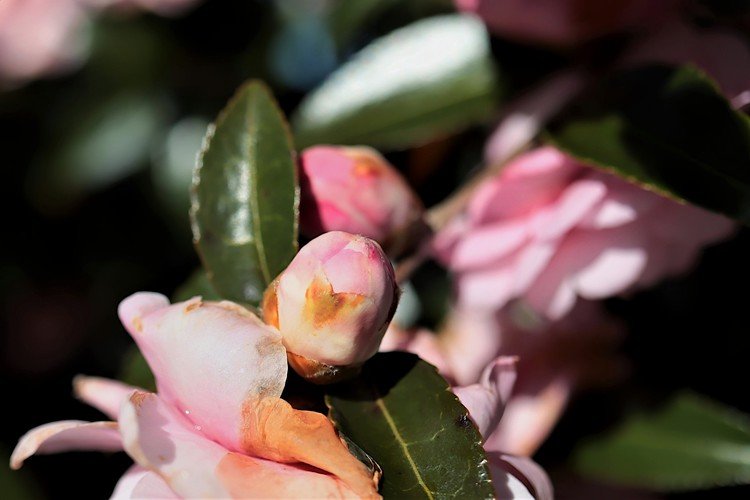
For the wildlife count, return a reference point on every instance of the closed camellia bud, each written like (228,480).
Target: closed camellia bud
(332,305)
(356,190)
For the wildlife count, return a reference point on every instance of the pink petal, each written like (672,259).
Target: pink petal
(421,342)
(160,439)
(486,399)
(208,358)
(67,435)
(138,482)
(594,264)
(624,203)
(164,441)
(527,183)
(103,394)
(470,342)
(574,204)
(618,266)
(686,224)
(534,481)
(528,419)
(486,244)
(487,288)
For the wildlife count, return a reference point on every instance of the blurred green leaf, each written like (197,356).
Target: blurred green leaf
(692,443)
(246,196)
(668,129)
(401,412)
(197,284)
(173,163)
(16,484)
(432,77)
(107,142)
(345,18)
(135,370)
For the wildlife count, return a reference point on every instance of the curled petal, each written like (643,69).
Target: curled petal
(138,482)
(161,439)
(103,394)
(278,432)
(486,400)
(529,418)
(67,435)
(519,477)
(207,358)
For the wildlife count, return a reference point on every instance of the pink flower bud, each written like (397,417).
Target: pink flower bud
(356,190)
(333,304)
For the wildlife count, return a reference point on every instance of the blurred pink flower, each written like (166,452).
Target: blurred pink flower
(553,360)
(564,22)
(721,53)
(39,37)
(548,230)
(217,427)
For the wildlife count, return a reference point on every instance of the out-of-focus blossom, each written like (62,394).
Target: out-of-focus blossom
(526,116)
(162,7)
(39,37)
(564,22)
(217,427)
(548,230)
(554,359)
(721,53)
(356,190)
(333,303)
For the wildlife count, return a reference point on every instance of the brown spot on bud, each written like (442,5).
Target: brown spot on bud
(193,304)
(323,305)
(321,373)
(137,398)
(270,305)
(138,324)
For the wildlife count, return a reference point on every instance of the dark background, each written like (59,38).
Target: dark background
(72,251)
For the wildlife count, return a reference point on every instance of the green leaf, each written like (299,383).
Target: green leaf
(196,284)
(135,370)
(108,141)
(668,129)
(432,77)
(691,443)
(16,484)
(245,196)
(403,414)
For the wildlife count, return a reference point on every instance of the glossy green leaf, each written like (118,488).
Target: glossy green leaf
(403,414)
(668,129)
(432,77)
(246,196)
(689,444)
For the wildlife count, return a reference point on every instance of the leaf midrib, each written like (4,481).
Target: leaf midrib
(252,125)
(400,440)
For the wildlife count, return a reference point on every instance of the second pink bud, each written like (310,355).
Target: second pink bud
(354,189)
